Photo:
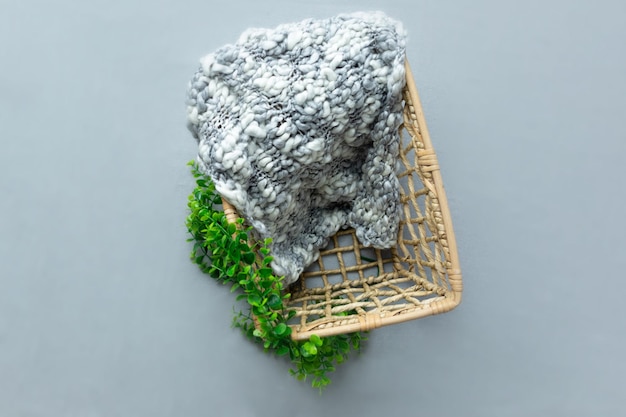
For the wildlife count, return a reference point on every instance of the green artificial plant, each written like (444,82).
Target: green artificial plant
(224,251)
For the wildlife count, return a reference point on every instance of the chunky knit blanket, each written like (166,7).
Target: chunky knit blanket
(298,128)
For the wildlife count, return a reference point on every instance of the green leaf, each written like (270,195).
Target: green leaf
(280,329)
(316,340)
(274,302)
(310,366)
(294,352)
(231,271)
(265,272)
(260,310)
(282,350)
(248,258)
(254,300)
(343,346)
(235,255)
(308,349)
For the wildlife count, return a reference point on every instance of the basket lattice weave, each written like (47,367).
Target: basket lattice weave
(353,288)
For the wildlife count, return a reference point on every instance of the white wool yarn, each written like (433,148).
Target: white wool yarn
(298,128)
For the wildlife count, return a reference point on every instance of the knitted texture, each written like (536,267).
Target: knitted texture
(298,128)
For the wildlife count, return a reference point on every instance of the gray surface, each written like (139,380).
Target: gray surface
(101,314)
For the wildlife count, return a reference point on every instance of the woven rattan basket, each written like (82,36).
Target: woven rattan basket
(353,288)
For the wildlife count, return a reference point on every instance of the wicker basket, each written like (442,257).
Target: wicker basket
(353,288)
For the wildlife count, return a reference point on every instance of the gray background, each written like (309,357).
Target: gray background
(102,314)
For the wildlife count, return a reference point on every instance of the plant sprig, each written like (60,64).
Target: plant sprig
(225,251)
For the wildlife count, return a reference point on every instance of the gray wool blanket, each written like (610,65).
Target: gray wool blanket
(298,128)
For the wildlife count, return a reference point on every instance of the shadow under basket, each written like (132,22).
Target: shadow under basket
(355,288)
